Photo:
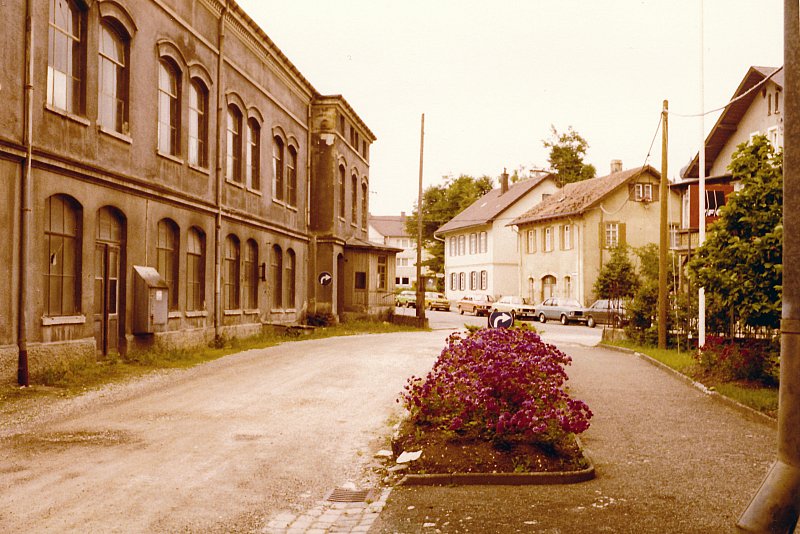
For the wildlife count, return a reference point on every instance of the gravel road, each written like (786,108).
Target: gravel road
(221,447)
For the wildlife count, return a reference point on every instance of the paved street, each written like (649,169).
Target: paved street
(224,447)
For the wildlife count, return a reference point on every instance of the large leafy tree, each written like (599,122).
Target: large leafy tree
(440,203)
(566,156)
(740,263)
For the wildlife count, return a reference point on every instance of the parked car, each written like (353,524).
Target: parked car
(436,301)
(606,311)
(477,304)
(560,309)
(516,306)
(406,298)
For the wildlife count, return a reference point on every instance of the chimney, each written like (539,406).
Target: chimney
(503,181)
(616,165)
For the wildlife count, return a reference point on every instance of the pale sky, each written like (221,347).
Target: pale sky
(491,77)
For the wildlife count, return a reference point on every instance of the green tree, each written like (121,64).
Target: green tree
(440,203)
(566,156)
(740,263)
(643,307)
(617,278)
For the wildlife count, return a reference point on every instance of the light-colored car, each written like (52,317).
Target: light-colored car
(516,306)
(436,301)
(477,304)
(605,311)
(560,309)
(406,298)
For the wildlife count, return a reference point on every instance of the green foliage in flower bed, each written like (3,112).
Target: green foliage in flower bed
(499,383)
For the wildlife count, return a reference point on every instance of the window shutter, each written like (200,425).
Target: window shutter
(561,237)
(631,191)
(655,192)
(622,240)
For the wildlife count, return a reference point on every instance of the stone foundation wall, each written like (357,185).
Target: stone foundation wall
(8,363)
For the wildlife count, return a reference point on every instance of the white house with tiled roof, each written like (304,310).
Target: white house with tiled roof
(566,239)
(480,248)
(391,230)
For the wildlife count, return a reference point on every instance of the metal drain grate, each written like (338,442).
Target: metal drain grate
(350,495)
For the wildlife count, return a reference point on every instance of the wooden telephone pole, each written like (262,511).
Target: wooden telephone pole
(663,296)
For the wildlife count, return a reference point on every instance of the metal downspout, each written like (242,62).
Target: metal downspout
(23,378)
(219,180)
(776,506)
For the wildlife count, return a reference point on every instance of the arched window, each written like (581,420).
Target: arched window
(548,286)
(230,274)
(198,124)
(253,164)
(342,196)
(233,157)
(277,168)
(291,177)
(195,270)
(167,254)
(168,108)
(66,52)
(277,277)
(354,199)
(291,280)
(364,205)
(62,270)
(462,281)
(250,289)
(112,81)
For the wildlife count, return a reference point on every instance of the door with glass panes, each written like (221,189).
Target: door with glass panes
(108,256)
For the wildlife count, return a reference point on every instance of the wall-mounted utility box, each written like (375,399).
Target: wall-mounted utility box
(150,300)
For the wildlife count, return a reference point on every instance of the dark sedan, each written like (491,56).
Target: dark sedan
(605,311)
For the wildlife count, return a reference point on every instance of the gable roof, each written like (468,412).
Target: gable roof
(388,225)
(578,197)
(728,122)
(487,208)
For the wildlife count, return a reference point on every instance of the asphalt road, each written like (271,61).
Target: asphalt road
(218,448)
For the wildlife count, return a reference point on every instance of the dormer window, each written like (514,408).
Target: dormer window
(643,192)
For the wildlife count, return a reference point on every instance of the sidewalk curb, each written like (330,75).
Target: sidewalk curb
(500,479)
(746,410)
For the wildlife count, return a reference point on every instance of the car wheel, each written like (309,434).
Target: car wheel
(461,310)
(542,318)
(590,322)
(513,316)
(564,320)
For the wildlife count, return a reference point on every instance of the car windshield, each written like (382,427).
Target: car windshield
(570,302)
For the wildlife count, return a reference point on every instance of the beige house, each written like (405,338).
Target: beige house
(481,248)
(565,240)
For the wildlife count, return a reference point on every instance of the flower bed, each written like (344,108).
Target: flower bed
(500,392)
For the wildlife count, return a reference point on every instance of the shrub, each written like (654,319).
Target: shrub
(740,359)
(498,382)
(320,319)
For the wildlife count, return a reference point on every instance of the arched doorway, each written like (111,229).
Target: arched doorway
(548,286)
(109,281)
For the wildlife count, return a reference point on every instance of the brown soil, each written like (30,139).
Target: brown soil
(452,452)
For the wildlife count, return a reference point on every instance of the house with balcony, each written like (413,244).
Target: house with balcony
(566,239)
(756,108)
(480,247)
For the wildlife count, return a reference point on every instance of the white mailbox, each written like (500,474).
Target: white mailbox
(150,300)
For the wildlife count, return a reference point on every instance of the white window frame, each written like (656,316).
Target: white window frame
(567,237)
(548,239)
(643,192)
(612,234)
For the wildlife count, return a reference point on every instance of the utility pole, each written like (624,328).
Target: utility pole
(420,281)
(701,173)
(776,506)
(663,297)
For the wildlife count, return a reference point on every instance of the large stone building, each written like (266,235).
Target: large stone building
(170,176)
